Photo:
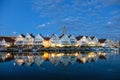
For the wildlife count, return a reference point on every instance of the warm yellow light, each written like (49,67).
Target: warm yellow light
(91,55)
(46,56)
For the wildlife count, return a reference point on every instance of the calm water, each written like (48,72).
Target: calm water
(60,66)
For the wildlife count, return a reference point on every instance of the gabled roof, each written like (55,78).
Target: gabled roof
(22,35)
(79,37)
(41,35)
(69,35)
(46,38)
(92,37)
(61,35)
(102,40)
(32,35)
(7,39)
(52,35)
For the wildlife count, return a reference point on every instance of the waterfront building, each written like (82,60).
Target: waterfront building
(29,40)
(54,40)
(6,41)
(73,40)
(46,42)
(104,42)
(82,41)
(38,40)
(19,40)
(93,41)
(64,40)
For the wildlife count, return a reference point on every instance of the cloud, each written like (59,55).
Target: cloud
(42,26)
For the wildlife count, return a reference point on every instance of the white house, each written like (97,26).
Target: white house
(73,40)
(82,40)
(29,40)
(64,40)
(38,40)
(54,40)
(19,39)
(94,41)
(104,42)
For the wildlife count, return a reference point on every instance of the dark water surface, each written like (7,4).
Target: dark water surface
(60,66)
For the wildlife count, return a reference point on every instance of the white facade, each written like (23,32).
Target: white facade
(94,41)
(29,39)
(64,40)
(104,43)
(73,40)
(82,41)
(38,40)
(54,40)
(19,39)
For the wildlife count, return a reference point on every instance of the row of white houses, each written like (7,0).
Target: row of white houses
(61,41)
(55,41)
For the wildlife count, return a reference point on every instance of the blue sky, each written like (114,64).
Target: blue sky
(81,17)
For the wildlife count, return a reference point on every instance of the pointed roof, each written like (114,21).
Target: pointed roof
(61,36)
(53,35)
(46,38)
(40,35)
(102,40)
(79,37)
(32,35)
(92,37)
(69,35)
(22,35)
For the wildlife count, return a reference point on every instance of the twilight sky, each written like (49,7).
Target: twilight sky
(81,17)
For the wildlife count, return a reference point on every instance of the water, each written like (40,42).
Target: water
(60,66)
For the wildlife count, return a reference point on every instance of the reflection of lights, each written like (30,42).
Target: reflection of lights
(76,54)
(91,55)
(84,59)
(46,55)
(20,61)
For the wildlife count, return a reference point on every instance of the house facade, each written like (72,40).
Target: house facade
(46,42)
(93,41)
(54,40)
(19,40)
(73,40)
(64,40)
(29,40)
(38,40)
(104,42)
(82,41)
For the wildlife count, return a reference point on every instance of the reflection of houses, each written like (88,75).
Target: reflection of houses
(19,59)
(65,60)
(55,58)
(73,40)
(92,56)
(19,40)
(6,41)
(29,40)
(54,40)
(64,40)
(29,59)
(39,59)
(72,59)
(104,42)
(38,40)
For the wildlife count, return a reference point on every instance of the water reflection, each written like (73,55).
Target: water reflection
(54,57)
